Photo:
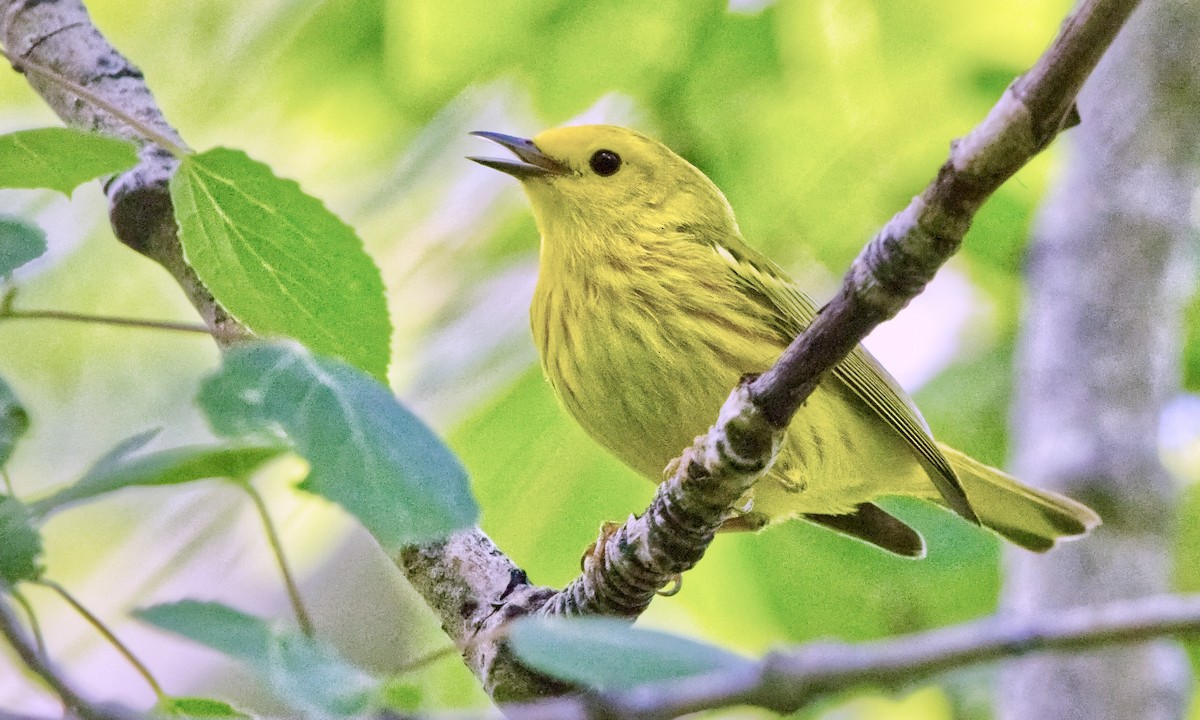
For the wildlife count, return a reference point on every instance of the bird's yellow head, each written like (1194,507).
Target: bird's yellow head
(604,183)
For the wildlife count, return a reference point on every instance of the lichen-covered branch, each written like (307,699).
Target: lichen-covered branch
(475,589)
(785,681)
(631,563)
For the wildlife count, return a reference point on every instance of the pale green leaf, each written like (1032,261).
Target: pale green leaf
(117,470)
(20,242)
(278,260)
(302,671)
(20,543)
(14,421)
(366,451)
(60,158)
(606,653)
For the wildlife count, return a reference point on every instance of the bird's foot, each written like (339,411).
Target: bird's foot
(744,522)
(595,552)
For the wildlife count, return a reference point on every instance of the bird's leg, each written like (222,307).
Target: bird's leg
(742,517)
(744,522)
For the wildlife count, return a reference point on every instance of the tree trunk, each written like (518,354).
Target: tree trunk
(1097,359)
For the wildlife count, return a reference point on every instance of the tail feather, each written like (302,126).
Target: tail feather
(1034,519)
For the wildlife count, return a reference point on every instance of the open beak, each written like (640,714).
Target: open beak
(531,162)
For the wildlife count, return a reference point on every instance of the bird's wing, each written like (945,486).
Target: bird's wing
(769,285)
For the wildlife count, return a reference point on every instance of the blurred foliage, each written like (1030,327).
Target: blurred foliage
(965,401)
(20,242)
(303,671)
(365,451)
(1191,355)
(19,553)
(818,118)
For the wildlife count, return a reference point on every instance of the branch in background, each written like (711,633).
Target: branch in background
(472,586)
(786,681)
(1109,241)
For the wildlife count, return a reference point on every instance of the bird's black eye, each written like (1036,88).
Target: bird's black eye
(605,162)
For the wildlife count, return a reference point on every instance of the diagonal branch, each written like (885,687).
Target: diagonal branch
(898,262)
(785,681)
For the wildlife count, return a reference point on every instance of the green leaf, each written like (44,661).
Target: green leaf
(607,653)
(20,543)
(14,421)
(217,626)
(118,470)
(278,260)
(60,158)
(20,242)
(302,671)
(366,451)
(196,707)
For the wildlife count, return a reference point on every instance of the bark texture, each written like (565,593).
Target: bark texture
(1097,359)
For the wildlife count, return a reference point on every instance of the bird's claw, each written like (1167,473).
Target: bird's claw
(676,585)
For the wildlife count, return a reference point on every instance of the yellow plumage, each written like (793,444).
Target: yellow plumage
(649,307)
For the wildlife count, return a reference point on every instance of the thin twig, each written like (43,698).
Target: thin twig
(149,133)
(426,659)
(34,626)
(303,619)
(10,628)
(67,316)
(5,715)
(107,634)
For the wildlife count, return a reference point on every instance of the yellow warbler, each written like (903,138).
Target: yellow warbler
(649,307)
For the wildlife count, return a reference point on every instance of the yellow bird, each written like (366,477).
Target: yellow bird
(650,306)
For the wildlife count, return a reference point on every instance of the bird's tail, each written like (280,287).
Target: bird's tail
(1031,518)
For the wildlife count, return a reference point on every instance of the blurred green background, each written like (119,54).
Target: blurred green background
(818,118)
